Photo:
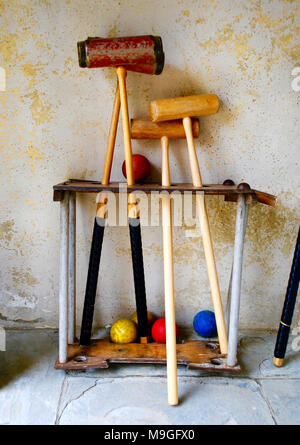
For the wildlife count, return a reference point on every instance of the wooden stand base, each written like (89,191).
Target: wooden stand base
(195,354)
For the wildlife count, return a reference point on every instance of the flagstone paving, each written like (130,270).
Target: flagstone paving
(32,392)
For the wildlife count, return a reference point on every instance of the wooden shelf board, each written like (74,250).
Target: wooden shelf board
(195,354)
(230,192)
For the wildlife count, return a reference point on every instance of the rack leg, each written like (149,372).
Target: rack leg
(236,279)
(228,302)
(72,270)
(63,279)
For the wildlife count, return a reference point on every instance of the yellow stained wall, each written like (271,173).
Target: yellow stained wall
(54,119)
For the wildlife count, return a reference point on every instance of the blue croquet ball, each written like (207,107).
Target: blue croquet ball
(205,324)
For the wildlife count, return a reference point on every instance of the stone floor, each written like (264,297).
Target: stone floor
(32,392)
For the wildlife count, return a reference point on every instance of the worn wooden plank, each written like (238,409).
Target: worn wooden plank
(95,186)
(230,192)
(196,354)
(58,195)
(265,198)
(261,197)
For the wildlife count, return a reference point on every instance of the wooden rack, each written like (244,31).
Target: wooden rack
(197,354)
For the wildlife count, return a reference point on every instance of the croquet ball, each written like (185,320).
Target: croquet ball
(228,182)
(150,318)
(158,330)
(123,331)
(141,168)
(205,324)
(243,186)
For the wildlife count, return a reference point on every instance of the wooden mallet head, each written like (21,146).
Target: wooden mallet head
(146,129)
(181,107)
(142,54)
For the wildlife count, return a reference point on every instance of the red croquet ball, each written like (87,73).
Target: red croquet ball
(141,168)
(158,330)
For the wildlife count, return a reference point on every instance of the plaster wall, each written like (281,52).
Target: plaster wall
(54,120)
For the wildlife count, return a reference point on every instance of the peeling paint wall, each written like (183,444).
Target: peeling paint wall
(54,120)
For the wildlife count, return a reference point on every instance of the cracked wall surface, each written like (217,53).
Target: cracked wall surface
(54,120)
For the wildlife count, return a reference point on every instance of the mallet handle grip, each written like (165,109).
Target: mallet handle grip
(169,279)
(91,284)
(206,239)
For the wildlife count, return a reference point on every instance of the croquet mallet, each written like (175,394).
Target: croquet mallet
(146,129)
(288,307)
(184,108)
(142,54)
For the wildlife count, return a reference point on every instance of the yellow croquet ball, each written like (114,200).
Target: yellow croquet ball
(123,331)
(150,318)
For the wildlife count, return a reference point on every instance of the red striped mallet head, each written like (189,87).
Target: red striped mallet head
(142,54)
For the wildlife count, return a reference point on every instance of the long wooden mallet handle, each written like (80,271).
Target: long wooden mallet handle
(98,232)
(111,138)
(121,73)
(169,279)
(134,221)
(146,129)
(206,238)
